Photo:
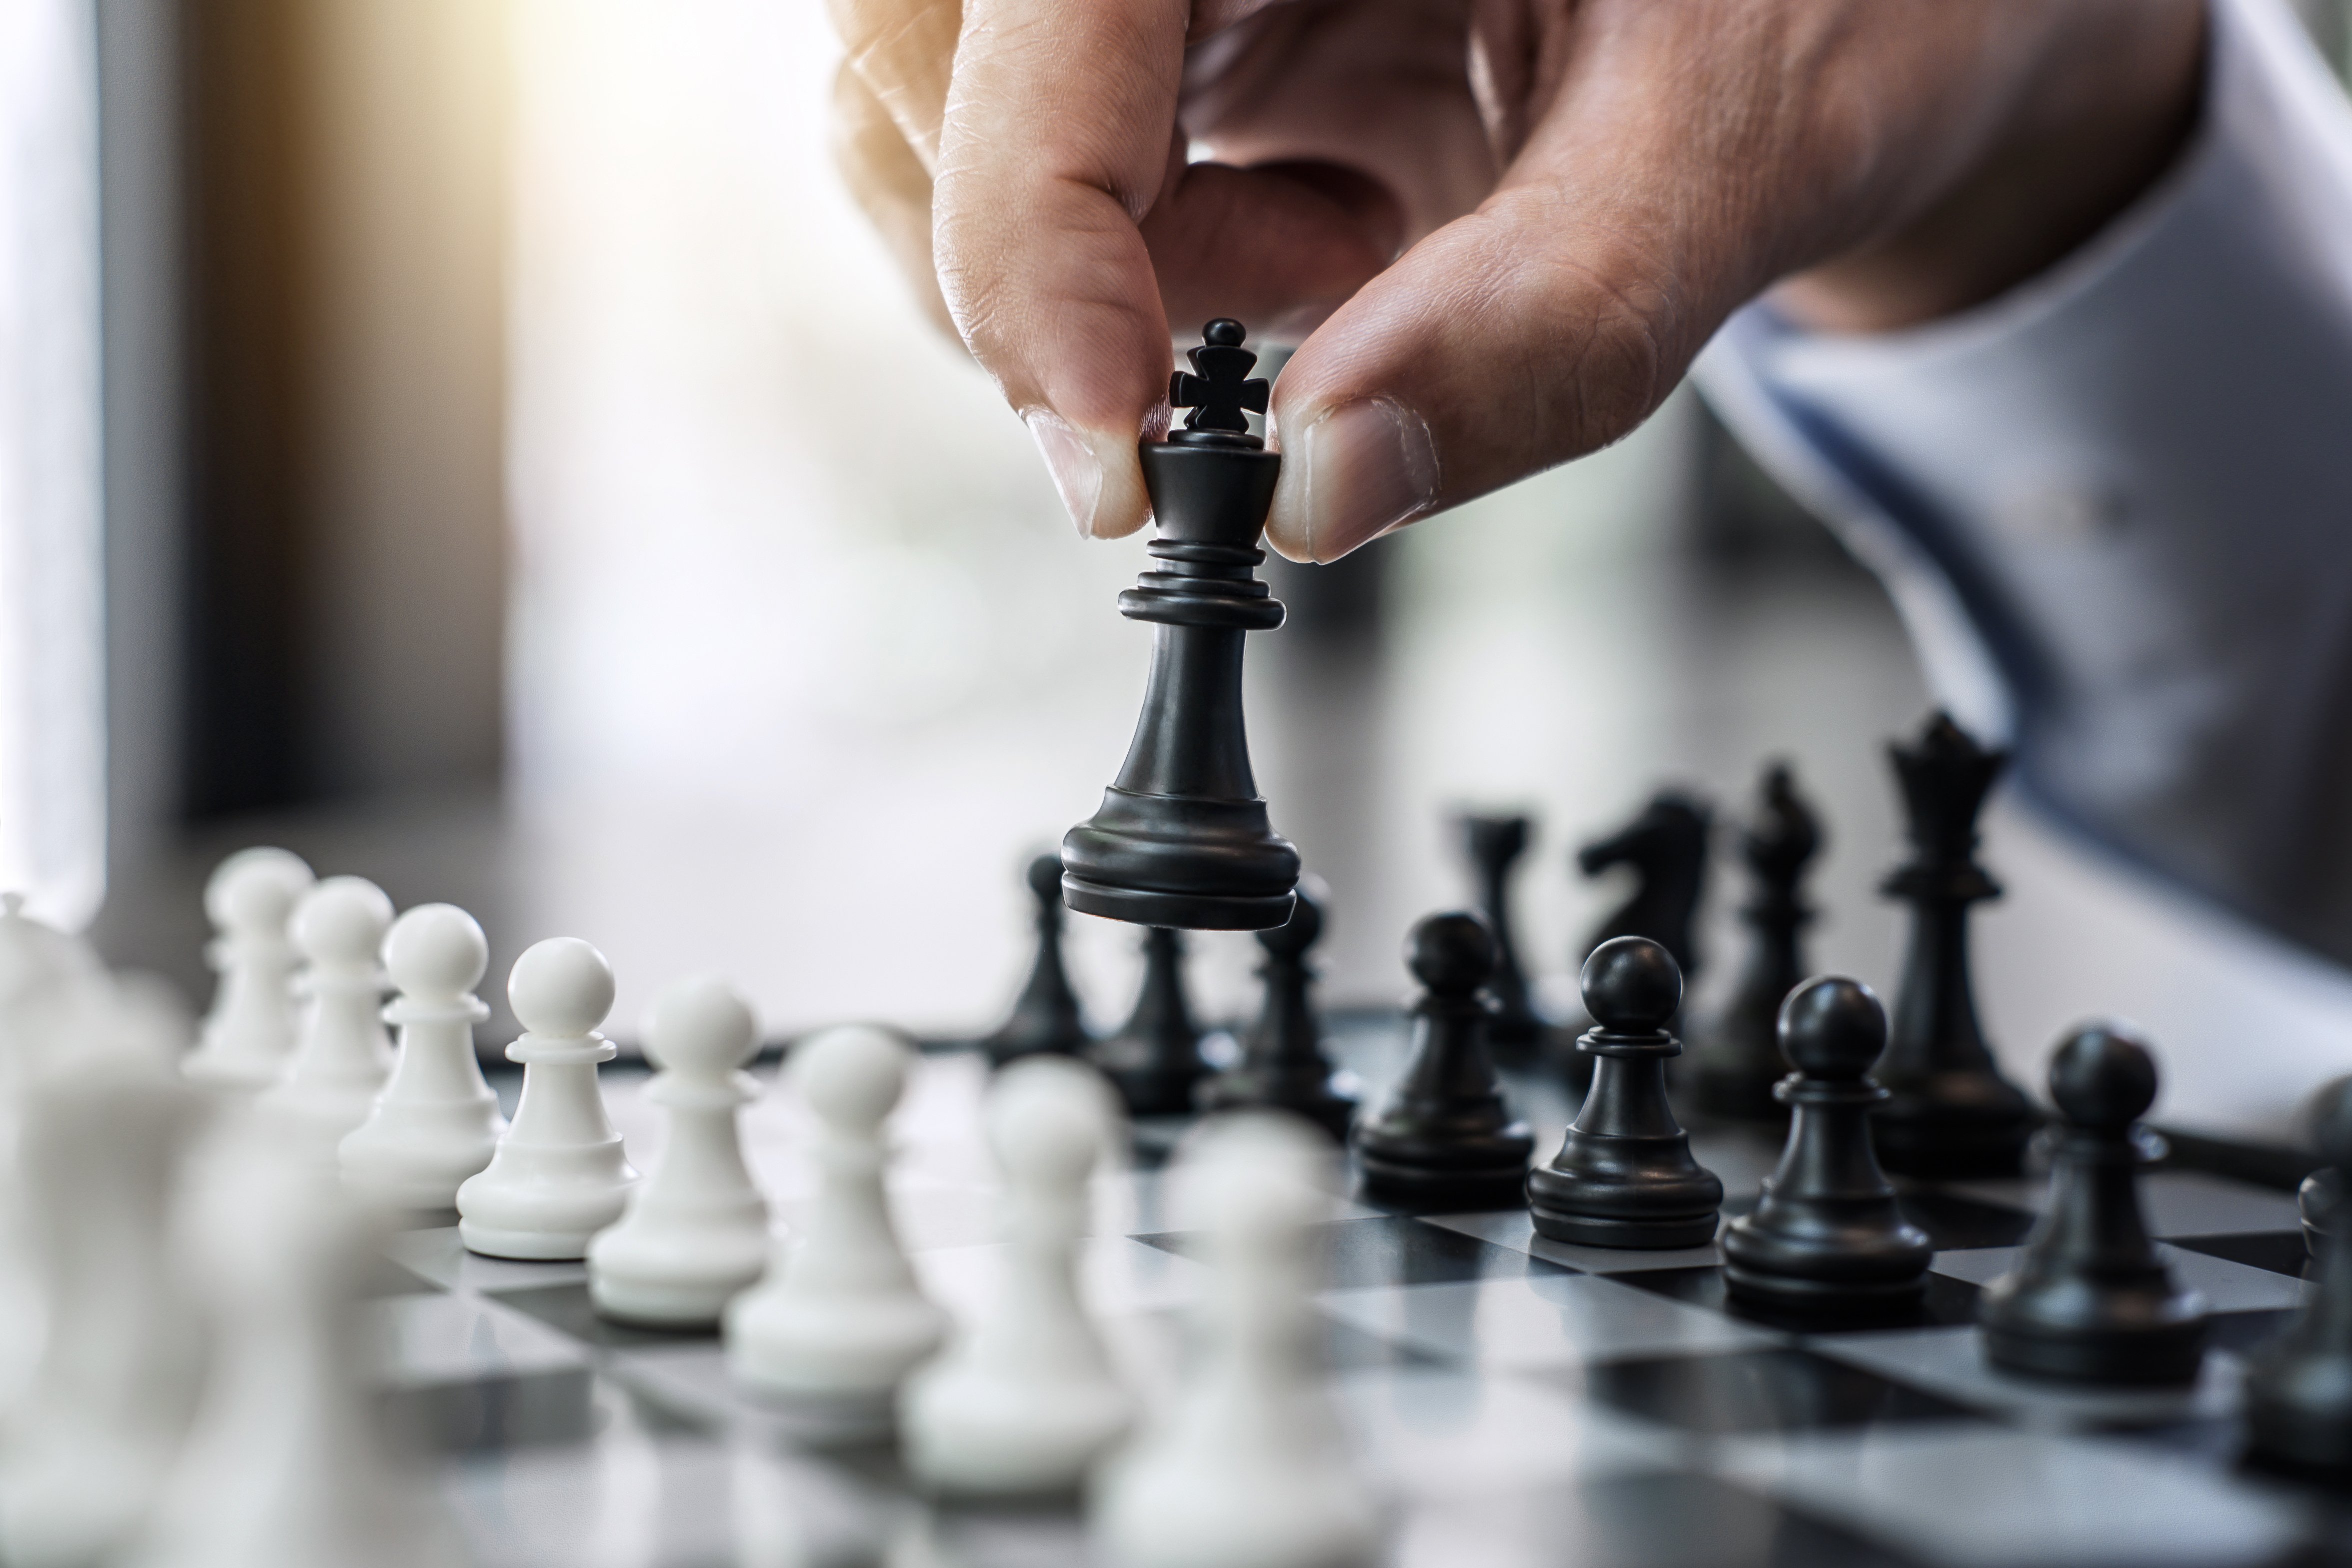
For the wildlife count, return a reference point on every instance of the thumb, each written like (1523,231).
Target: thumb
(1537,329)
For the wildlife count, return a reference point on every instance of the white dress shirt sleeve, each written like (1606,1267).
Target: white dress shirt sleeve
(2114,505)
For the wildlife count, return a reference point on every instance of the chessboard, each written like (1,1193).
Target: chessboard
(1511,1399)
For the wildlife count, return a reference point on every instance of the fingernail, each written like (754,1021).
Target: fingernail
(1078,473)
(1350,475)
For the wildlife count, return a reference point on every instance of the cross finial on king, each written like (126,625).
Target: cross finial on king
(1218,389)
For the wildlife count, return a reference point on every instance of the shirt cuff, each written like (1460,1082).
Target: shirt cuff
(2114,505)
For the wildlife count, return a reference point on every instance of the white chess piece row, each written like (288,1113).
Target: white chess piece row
(1245,1470)
(418,1128)
(236,1435)
(283,938)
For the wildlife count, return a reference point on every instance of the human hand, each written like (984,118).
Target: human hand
(1503,228)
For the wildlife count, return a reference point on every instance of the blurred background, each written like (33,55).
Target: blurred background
(477,444)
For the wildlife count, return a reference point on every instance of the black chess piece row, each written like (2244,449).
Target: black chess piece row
(2299,1386)
(1154,1057)
(1666,847)
(1446,1137)
(2090,1298)
(1948,1112)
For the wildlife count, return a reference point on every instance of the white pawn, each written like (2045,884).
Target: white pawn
(1026,1401)
(344,1054)
(696,1234)
(249,1034)
(86,1450)
(285,1467)
(437,1121)
(838,1315)
(1248,1468)
(560,1174)
(49,982)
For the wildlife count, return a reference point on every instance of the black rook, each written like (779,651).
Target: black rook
(1182,839)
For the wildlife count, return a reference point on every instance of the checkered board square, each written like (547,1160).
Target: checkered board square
(1514,1400)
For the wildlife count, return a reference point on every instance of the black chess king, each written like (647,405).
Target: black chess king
(1182,839)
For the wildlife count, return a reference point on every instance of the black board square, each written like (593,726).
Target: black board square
(384,1278)
(1759,1391)
(494,1410)
(1659,1520)
(2279,1251)
(1944,1303)
(1394,1250)
(568,1308)
(2242,1331)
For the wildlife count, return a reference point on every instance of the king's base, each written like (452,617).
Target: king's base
(1182,910)
(1191,862)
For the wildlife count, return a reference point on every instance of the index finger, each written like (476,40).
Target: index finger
(1060,132)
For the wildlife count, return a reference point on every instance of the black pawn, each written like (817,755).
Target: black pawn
(1735,1063)
(1446,1136)
(1495,845)
(1827,1235)
(2299,1386)
(1624,1175)
(1951,1112)
(1283,1066)
(1045,1017)
(2090,1300)
(1667,847)
(1155,1057)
